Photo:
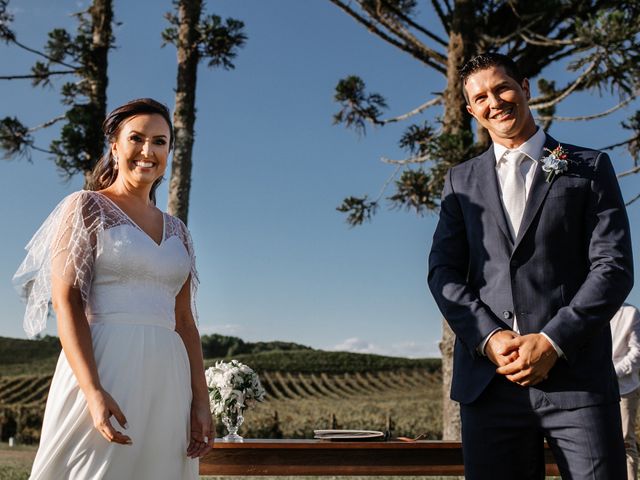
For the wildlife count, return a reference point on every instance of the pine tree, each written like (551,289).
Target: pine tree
(195,39)
(84,58)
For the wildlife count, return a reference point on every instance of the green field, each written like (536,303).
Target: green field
(307,389)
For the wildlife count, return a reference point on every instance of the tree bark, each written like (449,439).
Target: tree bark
(184,115)
(101,17)
(450,409)
(456,120)
(482,137)
(461,48)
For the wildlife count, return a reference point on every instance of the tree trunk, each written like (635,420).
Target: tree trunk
(456,120)
(184,115)
(450,409)
(101,17)
(461,48)
(482,136)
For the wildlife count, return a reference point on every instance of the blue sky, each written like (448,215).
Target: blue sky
(276,260)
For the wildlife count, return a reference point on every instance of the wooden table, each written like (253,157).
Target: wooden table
(319,457)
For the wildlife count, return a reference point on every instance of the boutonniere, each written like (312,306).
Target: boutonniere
(556,163)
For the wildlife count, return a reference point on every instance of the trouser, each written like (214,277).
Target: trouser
(503,435)
(628,412)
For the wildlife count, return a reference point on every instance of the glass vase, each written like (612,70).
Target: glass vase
(232,419)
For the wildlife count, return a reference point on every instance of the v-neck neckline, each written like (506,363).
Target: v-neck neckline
(135,224)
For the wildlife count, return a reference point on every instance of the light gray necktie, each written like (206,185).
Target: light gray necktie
(513,189)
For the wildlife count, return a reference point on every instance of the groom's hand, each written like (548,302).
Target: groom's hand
(536,356)
(499,349)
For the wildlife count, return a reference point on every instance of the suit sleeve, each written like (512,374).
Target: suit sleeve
(610,276)
(468,317)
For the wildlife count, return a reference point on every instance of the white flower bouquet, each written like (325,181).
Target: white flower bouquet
(233,387)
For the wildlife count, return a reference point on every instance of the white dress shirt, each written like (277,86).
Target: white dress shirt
(532,150)
(625,333)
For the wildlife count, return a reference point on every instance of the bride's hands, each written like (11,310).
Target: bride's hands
(202,430)
(102,406)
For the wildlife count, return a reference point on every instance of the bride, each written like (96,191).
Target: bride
(128,398)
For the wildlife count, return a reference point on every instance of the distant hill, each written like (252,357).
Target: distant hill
(19,356)
(38,357)
(320,361)
(18,350)
(217,346)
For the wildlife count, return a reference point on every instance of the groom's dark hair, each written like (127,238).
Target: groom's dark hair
(488,60)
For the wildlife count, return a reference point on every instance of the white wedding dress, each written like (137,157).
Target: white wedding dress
(129,284)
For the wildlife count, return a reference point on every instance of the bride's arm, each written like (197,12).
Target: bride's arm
(75,336)
(202,429)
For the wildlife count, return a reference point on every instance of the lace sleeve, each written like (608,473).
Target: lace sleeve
(65,245)
(185,236)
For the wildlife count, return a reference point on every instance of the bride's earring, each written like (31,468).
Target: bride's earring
(115,162)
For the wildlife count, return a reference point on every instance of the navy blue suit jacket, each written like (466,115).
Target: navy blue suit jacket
(567,272)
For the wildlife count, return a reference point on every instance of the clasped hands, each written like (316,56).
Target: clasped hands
(522,359)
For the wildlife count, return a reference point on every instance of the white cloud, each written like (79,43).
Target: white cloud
(408,349)
(355,345)
(222,329)
(413,349)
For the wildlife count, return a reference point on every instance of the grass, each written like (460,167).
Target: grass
(15,462)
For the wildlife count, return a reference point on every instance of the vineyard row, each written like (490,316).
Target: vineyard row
(33,389)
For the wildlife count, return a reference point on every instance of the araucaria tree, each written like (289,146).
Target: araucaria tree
(83,59)
(195,39)
(597,41)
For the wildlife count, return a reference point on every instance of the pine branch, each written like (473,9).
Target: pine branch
(48,123)
(447,4)
(417,26)
(400,31)
(21,77)
(430,103)
(542,41)
(442,16)
(537,104)
(621,144)
(580,118)
(629,172)
(632,200)
(386,183)
(563,54)
(387,38)
(406,161)
(43,150)
(44,55)
(511,36)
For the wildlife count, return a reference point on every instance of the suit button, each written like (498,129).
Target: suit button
(515,263)
(507,314)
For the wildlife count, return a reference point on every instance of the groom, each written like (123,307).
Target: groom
(529,263)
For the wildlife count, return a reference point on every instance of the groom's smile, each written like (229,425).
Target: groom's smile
(503,114)
(500,104)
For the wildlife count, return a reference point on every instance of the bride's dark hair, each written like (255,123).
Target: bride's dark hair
(104,173)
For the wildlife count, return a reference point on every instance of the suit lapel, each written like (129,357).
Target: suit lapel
(488,182)
(539,189)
